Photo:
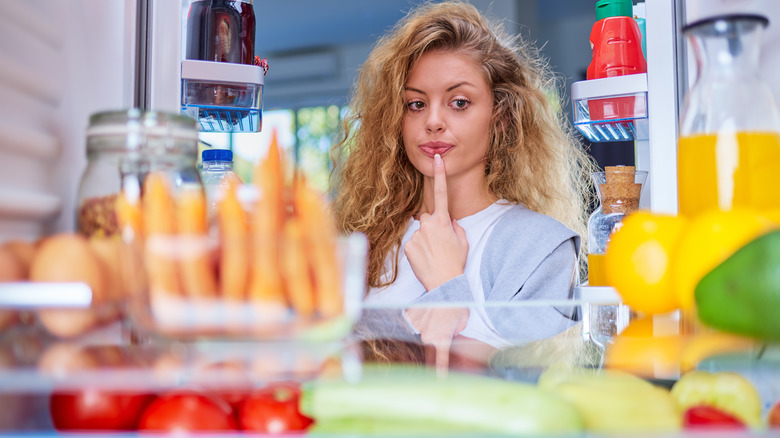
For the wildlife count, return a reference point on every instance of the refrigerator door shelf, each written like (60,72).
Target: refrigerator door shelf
(611,109)
(223,97)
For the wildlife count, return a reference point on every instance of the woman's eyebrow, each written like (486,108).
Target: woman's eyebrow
(459,84)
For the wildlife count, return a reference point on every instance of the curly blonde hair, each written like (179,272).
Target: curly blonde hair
(532,159)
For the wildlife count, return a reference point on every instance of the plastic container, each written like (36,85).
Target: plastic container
(223,97)
(122,148)
(216,174)
(268,267)
(632,126)
(617,51)
(728,154)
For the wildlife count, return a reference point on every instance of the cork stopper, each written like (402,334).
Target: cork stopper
(620,194)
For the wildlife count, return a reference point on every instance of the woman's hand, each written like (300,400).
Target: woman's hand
(437,251)
(437,327)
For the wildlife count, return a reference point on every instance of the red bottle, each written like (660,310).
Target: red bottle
(617,51)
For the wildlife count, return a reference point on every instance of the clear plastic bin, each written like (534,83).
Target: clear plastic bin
(611,109)
(223,97)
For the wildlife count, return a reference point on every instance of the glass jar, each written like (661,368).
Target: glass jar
(619,189)
(122,148)
(729,149)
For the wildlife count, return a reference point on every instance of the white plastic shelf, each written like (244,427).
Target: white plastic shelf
(611,109)
(222,96)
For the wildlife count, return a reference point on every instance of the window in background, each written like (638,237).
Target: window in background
(305,137)
(249,148)
(317,130)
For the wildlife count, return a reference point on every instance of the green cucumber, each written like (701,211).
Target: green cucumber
(379,426)
(403,398)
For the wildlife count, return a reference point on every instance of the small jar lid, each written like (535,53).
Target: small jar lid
(614,8)
(217,155)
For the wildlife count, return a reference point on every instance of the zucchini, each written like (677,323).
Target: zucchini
(405,400)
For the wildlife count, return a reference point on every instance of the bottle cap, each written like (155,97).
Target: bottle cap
(217,155)
(614,8)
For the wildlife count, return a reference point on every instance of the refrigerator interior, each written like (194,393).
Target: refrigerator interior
(59,63)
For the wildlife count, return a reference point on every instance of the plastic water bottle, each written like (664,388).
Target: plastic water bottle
(216,174)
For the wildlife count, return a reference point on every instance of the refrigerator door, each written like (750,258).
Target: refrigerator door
(60,61)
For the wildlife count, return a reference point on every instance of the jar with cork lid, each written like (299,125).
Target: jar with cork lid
(619,189)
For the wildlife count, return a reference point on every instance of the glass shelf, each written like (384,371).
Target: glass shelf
(611,109)
(34,365)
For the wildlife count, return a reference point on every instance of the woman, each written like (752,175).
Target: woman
(457,168)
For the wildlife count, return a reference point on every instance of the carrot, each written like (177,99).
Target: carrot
(320,233)
(160,228)
(129,216)
(295,268)
(265,285)
(197,270)
(234,232)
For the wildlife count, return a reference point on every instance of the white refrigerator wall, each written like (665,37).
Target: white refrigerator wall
(60,61)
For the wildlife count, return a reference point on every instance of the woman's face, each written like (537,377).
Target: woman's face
(448,111)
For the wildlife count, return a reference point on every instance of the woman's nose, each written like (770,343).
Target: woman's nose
(435,123)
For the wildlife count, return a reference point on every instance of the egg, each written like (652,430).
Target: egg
(68,257)
(63,358)
(10,270)
(109,251)
(23,250)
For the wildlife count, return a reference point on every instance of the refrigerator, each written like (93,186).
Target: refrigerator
(61,61)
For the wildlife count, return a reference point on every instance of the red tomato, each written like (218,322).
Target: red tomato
(709,417)
(97,409)
(187,411)
(274,409)
(773,418)
(234,398)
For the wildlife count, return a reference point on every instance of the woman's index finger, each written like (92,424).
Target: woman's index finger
(440,205)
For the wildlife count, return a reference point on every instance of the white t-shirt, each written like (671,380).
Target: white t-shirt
(408,288)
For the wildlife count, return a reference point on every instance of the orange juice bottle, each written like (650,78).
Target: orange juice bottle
(728,154)
(723,171)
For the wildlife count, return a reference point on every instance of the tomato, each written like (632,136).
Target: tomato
(274,409)
(709,417)
(773,417)
(97,409)
(184,411)
(234,398)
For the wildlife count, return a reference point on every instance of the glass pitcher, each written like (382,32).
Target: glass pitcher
(729,149)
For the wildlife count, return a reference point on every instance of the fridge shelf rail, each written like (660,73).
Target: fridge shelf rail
(223,97)
(611,109)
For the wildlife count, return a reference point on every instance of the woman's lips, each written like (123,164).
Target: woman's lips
(435,147)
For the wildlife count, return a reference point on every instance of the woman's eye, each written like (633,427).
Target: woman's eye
(416,105)
(460,104)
